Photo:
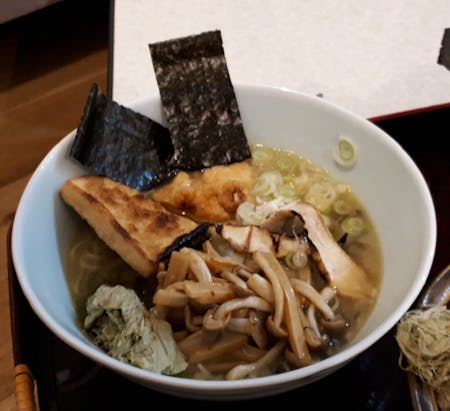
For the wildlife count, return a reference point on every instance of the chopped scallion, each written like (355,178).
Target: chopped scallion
(285,162)
(321,195)
(345,152)
(342,207)
(287,191)
(267,183)
(246,214)
(261,156)
(301,183)
(353,225)
(295,260)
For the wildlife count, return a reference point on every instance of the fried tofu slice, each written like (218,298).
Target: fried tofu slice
(133,225)
(212,195)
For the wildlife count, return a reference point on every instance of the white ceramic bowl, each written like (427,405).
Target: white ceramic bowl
(385,179)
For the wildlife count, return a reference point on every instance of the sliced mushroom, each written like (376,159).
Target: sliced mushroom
(224,310)
(278,296)
(206,294)
(263,288)
(177,269)
(171,296)
(286,245)
(236,235)
(312,338)
(247,353)
(308,291)
(197,266)
(275,329)
(258,331)
(348,277)
(337,324)
(272,268)
(245,370)
(247,238)
(240,325)
(218,318)
(240,286)
(203,345)
(284,222)
(219,263)
(191,322)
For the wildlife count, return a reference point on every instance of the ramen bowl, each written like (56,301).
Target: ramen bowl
(384,178)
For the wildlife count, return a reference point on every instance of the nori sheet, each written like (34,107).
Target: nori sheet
(116,142)
(199,102)
(193,239)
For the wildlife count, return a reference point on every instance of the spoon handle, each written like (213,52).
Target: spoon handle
(438,292)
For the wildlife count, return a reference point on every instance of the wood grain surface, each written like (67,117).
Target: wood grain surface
(48,64)
(9,195)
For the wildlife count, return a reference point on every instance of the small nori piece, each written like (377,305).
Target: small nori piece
(343,240)
(116,142)
(199,102)
(193,239)
(444,53)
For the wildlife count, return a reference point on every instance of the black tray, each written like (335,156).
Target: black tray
(372,381)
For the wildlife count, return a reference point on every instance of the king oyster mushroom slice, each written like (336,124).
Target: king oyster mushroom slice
(284,222)
(247,238)
(348,277)
(252,238)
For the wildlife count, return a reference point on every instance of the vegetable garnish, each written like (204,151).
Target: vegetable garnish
(353,225)
(345,152)
(199,102)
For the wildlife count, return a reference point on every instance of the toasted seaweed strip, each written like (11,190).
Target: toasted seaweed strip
(115,141)
(193,239)
(199,102)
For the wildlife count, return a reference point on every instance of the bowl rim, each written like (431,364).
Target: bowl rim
(174,382)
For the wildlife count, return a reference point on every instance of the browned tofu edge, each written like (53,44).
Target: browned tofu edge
(107,228)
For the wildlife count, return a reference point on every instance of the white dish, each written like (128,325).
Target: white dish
(384,178)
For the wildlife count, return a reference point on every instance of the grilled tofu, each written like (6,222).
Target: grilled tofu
(211,195)
(136,227)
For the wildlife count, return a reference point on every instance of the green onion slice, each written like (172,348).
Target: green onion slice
(342,207)
(321,195)
(353,225)
(267,183)
(345,152)
(295,260)
(262,155)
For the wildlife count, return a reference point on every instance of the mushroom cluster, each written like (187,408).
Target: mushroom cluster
(255,300)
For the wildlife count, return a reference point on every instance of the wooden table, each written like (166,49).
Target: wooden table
(45,76)
(9,195)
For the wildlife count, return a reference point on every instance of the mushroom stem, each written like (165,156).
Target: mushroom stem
(273,269)
(349,278)
(313,296)
(244,370)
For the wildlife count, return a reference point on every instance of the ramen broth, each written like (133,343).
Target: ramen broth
(283,176)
